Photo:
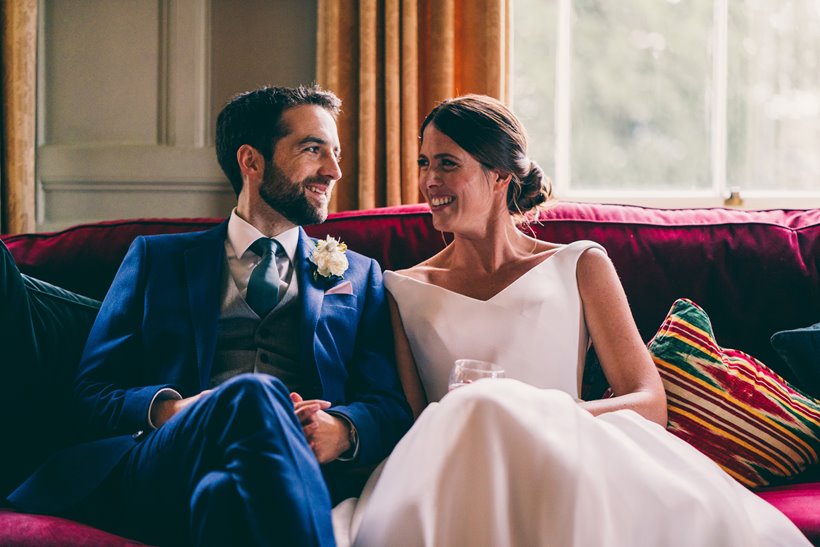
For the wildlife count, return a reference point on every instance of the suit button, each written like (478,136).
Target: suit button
(265,358)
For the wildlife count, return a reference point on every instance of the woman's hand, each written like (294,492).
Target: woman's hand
(625,361)
(327,435)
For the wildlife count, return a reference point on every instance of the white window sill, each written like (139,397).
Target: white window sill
(667,200)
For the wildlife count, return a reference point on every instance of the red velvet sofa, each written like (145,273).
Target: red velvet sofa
(755,272)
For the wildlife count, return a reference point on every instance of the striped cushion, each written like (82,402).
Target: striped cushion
(730,406)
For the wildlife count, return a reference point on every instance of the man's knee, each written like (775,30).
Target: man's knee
(253,384)
(253,393)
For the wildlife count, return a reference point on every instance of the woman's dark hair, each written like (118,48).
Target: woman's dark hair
(254,118)
(490,133)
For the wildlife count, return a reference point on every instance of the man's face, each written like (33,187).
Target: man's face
(305,167)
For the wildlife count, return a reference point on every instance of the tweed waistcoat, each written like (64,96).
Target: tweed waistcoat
(269,345)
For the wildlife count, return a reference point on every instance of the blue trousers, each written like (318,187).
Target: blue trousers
(233,468)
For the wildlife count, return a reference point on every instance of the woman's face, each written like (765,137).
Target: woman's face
(460,191)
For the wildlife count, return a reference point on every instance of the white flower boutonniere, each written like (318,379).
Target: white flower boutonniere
(329,259)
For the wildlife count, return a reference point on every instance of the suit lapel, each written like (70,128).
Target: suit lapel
(310,296)
(204,261)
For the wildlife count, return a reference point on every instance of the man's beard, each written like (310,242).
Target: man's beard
(288,198)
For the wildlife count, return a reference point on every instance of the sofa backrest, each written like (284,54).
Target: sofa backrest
(754,272)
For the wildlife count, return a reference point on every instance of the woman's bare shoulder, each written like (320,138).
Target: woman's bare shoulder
(594,268)
(594,256)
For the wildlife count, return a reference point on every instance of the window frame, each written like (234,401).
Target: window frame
(718,193)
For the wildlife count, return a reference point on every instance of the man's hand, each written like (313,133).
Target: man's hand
(162,411)
(327,435)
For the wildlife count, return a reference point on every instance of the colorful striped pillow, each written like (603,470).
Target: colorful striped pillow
(730,406)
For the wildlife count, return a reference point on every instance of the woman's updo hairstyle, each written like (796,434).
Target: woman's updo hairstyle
(493,136)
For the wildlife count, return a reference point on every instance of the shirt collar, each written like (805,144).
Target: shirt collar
(242,234)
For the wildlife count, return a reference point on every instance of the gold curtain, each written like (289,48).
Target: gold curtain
(391,61)
(18,25)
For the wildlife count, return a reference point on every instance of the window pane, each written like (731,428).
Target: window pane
(641,81)
(774,94)
(534,42)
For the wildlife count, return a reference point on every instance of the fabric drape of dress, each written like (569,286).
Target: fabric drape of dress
(391,61)
(517,462)
(18,29)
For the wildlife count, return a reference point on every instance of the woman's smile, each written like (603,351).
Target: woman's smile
(440,202)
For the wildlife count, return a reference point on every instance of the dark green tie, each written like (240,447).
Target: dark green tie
(263,285)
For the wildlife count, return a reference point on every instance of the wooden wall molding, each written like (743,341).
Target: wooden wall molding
(181,159)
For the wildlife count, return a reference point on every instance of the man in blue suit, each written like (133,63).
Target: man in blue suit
(233,375)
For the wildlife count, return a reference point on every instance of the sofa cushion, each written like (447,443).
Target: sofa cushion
(757,427)
(757,272)
(799,503)
(800,349)
(62,320)
(24,530)
(85,258)
(44,329)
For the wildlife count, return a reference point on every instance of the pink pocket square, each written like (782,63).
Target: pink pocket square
(345,287)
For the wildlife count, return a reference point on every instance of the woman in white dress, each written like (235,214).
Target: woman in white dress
(522,461)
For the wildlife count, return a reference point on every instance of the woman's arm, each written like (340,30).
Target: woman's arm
(405,364)
(625,361)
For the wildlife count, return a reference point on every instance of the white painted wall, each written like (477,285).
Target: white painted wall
(129,90)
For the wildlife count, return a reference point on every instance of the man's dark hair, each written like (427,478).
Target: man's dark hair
(254,118)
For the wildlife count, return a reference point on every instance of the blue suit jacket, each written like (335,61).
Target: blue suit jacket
(158,327)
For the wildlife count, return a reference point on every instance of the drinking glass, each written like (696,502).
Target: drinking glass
(467,371)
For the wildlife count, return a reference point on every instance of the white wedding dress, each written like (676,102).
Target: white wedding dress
(516,462)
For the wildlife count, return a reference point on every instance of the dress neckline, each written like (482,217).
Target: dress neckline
(496,295)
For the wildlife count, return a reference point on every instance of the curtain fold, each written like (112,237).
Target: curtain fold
(18,42)
(391,61)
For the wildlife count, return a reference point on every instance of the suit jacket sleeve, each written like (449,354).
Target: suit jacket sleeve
(106,401)
(376,402)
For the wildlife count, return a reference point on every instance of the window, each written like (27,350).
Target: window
(672,102)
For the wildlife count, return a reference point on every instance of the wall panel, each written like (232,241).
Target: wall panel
(128,95)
